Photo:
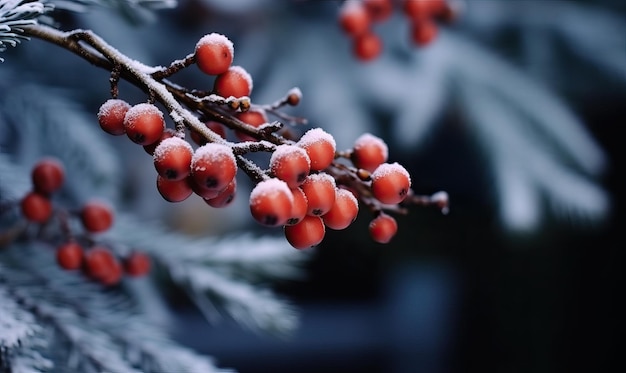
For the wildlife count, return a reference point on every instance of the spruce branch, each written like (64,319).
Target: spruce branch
(15,15)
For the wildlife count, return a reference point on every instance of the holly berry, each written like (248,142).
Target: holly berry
(390,183)
(47,175)
(299,208)
(167,133)
(214,53)
(172,158)
(343,212)
(291,164)
(307,233)
(234,82)
(70,255)
(96,216)
(271,202)
(382,228)
(101,265)
(137,264)
(173,190)
(367,46)
(225,197)
(36,208)
(369,152)
(255,118)
(354,19)
(111,116)
(319,190)
(213,166)
(320,146)
(144,123)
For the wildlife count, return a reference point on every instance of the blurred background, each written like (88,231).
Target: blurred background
(515,110)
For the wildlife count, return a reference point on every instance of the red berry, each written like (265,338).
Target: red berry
(319,190)
(201,190)
(213,166)
(69,255)
(137,264)
(421,9)
(167,133)
(354,19)
(383,228)
(47,175)
(234,82)
(379,10)
(307,233)
(390,183)
(291,164)
(299,208)
(103,266)
(343,212)
(173,190)
(172,158)
(423,32)
(320,146)
(111,116)
(225,197)
(36,207)
(367,47)
(369,152)
(271,202)
(214,53)
(96,216)
(144,123)
(255,118)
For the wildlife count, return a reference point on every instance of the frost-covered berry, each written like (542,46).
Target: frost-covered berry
(291,164)
(111,116)
(96,216)
(367,46)
(343,212)
(213,166)
(299,208)
(224,197)
(390,183)
(307,233)
(167,133)
(69,255)
(369,152)
(383,228)
(320,146)
(36,207)
(47,175)
(319,190)
(173,190)
(172,158)
(271,202)
(144,123)
(214,53)
(234,82)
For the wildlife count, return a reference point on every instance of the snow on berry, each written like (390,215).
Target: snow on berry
(213,166)
(390,183)
(290,163)
(320,146)
(111,116)
(144,123)
(271,202)
(214,53)
(172,158)
(235,82)
(369,152)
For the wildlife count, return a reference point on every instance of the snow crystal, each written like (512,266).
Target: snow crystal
(367,139)
(270,187)
(387,168)
(315,135)
(321,177)
(216,39)
(168,145)
(212,152)
(110,105)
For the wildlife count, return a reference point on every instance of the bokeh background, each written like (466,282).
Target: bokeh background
(516,111)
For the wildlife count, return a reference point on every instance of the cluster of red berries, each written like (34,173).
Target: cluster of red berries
(308,185)
(358,17)
(97,261)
